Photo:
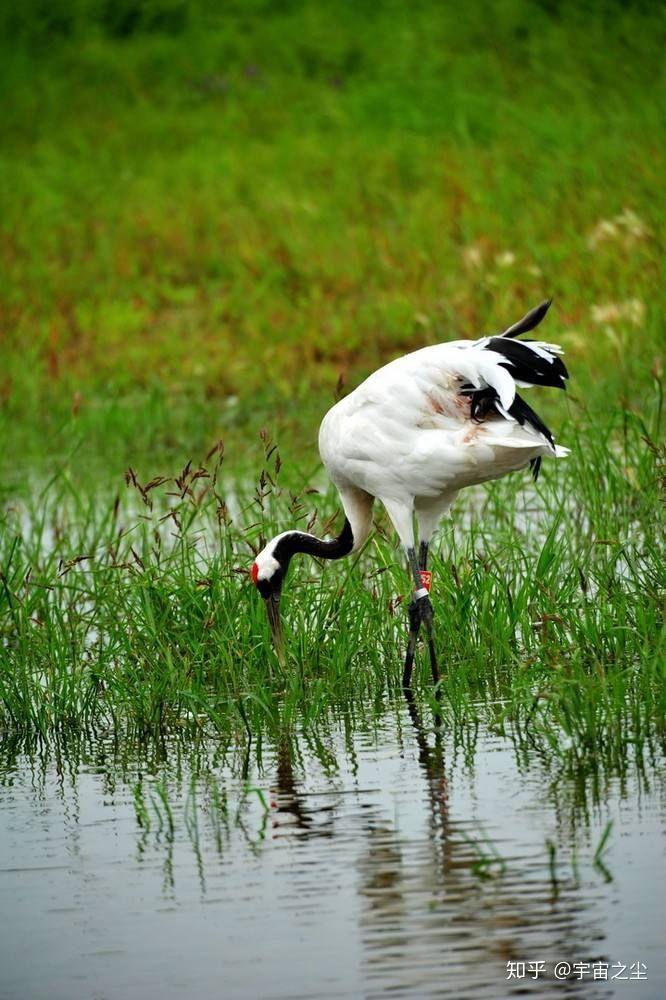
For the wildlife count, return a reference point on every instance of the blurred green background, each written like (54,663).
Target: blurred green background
(214,214)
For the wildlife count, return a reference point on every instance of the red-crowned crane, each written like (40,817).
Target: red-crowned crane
(412,435)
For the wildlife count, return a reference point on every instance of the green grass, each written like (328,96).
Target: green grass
(137,612)
(253,204)
(207,222)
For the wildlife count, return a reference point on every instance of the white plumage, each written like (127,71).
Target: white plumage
(406,436)
(414,434)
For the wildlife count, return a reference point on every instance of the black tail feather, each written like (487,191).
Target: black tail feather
(483,403)
(524,365)
(529,321)
(524,414)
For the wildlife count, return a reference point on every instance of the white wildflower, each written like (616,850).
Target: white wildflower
(607,313)
(505,259)
(627,227)
(604,231)
(631,311)
(573,339)
(634,226)
(634,311)
(472,256)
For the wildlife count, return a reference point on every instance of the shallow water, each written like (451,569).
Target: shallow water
(374,858)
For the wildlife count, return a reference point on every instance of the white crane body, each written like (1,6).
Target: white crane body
(406,435)
(414,434)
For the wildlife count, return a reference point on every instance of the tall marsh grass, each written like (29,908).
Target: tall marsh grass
(208,221)
(135,610)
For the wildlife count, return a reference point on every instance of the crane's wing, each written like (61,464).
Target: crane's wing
(445,416)
(492,368)
(495,366)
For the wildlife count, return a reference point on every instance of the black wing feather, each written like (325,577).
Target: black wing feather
(526,366)
(524,414)
(482,403)
(529,321)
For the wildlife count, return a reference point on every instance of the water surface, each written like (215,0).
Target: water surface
(374,858)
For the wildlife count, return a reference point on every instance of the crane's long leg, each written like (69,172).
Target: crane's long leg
(420,611)
(423,564)
(427,616)
(414,613)
(414,626)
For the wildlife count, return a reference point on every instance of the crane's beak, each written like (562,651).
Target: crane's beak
(272,603)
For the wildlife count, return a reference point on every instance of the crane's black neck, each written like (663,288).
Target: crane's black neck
(300,541)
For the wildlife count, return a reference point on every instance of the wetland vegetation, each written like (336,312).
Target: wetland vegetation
(214,221)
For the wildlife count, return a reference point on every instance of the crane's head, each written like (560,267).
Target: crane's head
(268,572)
(271,565)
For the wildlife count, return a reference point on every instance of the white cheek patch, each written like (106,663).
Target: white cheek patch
(267,565)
